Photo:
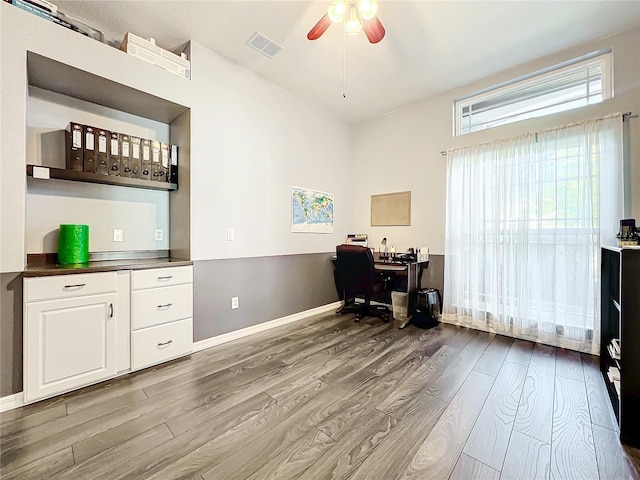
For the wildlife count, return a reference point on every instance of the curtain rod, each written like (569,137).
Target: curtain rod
(626,114)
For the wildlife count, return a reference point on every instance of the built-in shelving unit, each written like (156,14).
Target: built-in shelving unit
(63,174)
(620,337)
(82,92)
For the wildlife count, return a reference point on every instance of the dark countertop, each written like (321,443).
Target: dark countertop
(47,269)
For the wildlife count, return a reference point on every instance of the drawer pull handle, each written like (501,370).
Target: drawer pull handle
(163,344)
(167,277)
(168,305)
(79,285)
(111,310)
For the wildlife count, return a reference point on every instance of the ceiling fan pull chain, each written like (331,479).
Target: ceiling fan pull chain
(344,62)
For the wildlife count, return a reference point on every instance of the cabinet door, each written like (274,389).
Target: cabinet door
(69,343)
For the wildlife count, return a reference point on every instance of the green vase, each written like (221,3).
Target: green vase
(73,244)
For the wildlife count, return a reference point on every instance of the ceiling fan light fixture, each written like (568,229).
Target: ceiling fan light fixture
(357,15)
(337,11)
(353,25)
(368,9)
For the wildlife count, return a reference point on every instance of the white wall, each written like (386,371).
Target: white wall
(251,142)
(401,151)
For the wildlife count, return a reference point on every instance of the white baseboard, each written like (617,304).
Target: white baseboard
(11,401)
(261,327)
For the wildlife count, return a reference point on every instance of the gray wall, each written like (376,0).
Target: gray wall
(267,287)
(10,333)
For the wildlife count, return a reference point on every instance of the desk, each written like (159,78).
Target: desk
(412,269)
(408,272)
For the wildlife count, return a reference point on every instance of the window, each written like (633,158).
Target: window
(525,220)
(579,82)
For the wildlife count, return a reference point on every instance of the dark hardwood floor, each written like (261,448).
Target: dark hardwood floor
(329,398)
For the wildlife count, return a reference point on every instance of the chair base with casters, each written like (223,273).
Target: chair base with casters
(364,309)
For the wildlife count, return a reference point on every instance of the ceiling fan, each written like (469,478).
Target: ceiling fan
(357,15)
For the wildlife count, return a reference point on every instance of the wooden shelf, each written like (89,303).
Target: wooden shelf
(62,174)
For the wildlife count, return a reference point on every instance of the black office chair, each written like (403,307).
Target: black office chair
(355,276)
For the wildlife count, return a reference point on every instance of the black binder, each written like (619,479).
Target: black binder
(145,171)
(102,153)
(89,149)
(125,155)
(73,143)
(173,166)
(114,154)
(136,165)
(156,169)
(165,149)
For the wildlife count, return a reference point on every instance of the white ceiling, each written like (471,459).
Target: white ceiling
(430,46)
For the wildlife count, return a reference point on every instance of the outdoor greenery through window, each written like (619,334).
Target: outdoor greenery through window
(579,82)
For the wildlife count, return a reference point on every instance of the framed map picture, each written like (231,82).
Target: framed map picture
(311,211)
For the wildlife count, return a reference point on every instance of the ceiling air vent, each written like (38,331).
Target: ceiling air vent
(264,45)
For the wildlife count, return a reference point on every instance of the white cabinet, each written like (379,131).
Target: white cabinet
(80,329)
(69,340)
(161,315)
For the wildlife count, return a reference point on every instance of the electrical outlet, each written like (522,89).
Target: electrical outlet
(159,234)
(234,303)
(118,235)
(231,234)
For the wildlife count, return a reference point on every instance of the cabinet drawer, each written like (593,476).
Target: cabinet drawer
(161,277)
(161,343)
(161,305)
(65,286)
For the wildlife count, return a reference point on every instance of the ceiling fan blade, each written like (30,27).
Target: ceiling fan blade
(320,27)
(373,29)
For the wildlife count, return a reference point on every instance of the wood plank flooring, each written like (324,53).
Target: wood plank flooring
(328,398)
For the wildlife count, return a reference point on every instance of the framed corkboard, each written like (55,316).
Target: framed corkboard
(391,209)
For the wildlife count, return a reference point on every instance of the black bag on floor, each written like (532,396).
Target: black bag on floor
(428,308)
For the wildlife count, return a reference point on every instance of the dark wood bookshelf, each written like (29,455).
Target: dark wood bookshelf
(620,319)
(88,177)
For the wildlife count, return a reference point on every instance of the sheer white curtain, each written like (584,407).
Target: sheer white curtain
(526,217)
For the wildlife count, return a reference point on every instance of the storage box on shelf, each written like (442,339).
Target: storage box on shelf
(148,51)
(620,336)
